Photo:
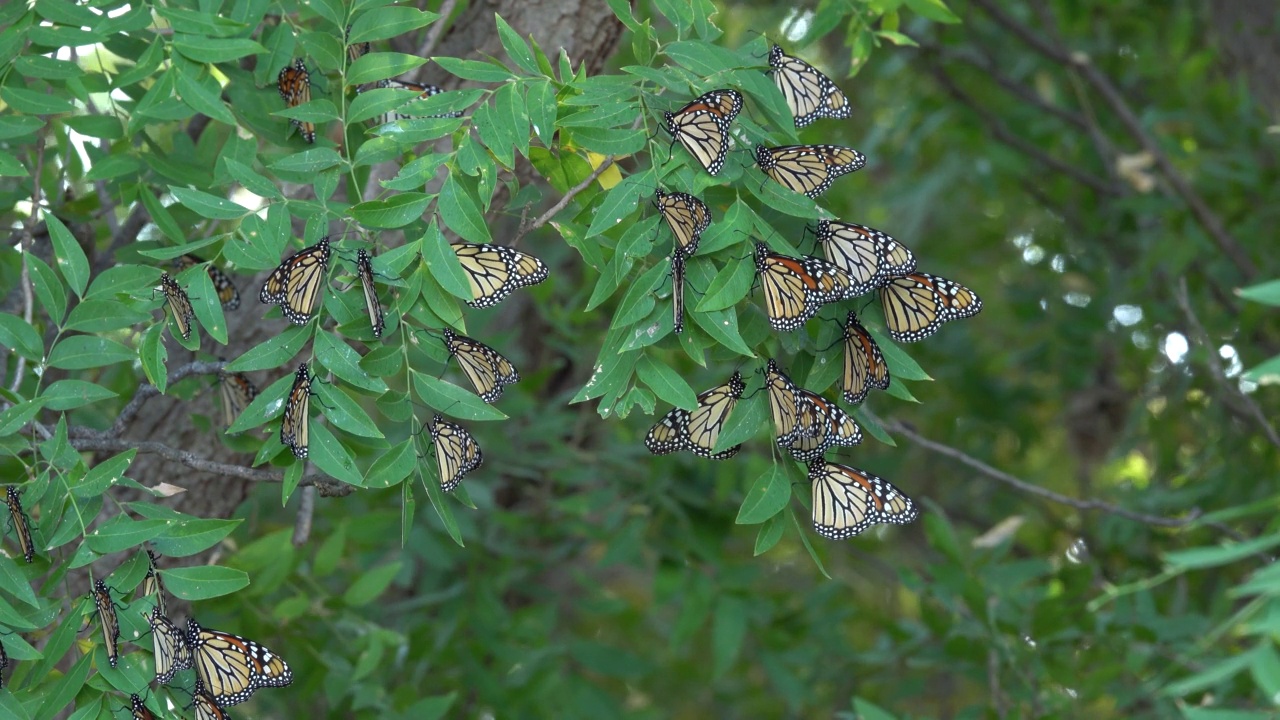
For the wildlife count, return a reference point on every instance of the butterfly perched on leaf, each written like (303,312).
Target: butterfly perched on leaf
(205,707)
(297,284)
(805,423)
(495,271)
(702,126)
(231,668)
(170,646)
(364,268)
(864,365)
(485,367)
(295,427)
(677,292)
(808,169)
(139,710)
(869,256)
(847,501)
(178,304)
(106,607)
(809,94)
(687,216)
(152,584)
(796,288)
(917,304)
(236,392)
(20,523)
(698,430)
(228,295)
(294,84)
(457,453)
(424,91)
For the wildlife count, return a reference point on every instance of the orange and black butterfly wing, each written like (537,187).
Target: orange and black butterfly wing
(809,94)
(864,364)
(916,305)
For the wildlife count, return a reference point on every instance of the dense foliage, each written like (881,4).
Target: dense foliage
(1095,469)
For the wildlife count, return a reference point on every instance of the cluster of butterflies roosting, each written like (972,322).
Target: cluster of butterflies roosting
(856,260)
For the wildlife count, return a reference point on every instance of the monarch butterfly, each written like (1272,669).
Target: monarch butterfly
(819,425)
(485,367)
(236,391)
(677,291)
(107,616)
(294,84)
(784,403)
(230,668)
(153,585)
(698,431)
(847,501)
(295,426)
(21,525)
(808,169)
(179,304)
(227,293)
(171,651)
(494,271)
(916,305)
(296,284)
(355,50)
(702,126)
(868,255)
(206,708)
(364,268)
(796,288)
(457,453)
(864,365)
(139,709)
(809,93)
(424,91)
(687,216)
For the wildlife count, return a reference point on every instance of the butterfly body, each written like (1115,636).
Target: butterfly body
(364,268)
(21,524)
(228,295)
(230,668)
(702,126)
(677,292)
(296,425)
(106,607)
(297,284)
(687,216)
(170,646)
(424,91)
(139,709)
(236,391)
(808,169)
(178,303)
(698,430)
(294,84)
(796,288)
(809,94)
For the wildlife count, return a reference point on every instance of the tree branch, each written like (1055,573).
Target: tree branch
(146,391)
(902,429)
(1080,63)
(563,202)
(433,36)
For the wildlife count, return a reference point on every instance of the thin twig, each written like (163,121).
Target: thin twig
(563,202)
(902,429)
(1081,63)
(1215,365)
(146,391)
(1026,94)
(28,301)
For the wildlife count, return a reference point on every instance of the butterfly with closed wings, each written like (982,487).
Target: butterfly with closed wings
(236,391)
(868,255)
(294,84)
(485,367)
(205,707)
(106,607)
(698,430)
(864,365)
(687,216)
(702,126)
(228,295)
(297,284)
(847,501)
(170,645)
(917,304)
(178,304)
(364,268)
(457,453)
(495,271)
(424,91)
(295,427)
(139,710)
(808,169)
(231,668)
(21,524)
(796,288)
(809,94)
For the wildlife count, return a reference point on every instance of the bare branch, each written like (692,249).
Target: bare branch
(146,391)
(902,429)
(1251,409)
(437,30)
(563,202)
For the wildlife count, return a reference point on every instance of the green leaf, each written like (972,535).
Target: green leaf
(1207,557)
(202,582)
(250,179)
(440,504)
(308,161)
(49,289)
(702,58)
(193,535)
(121,533)
(380,66)
(202,95)
(80,352)
(935,10)
(273,353)
(65,688)
(344,362)
(728,629)
(517,49)
(769,535)
(722,326)
(71,260)
(16,581)
(1267,371)
(394,212)
(215,50)
(35,103)
(104,315)
(70,394)
(1267,293)
(389,22)
(729,287)
(749,415)
(345,413)
(18,415)
(10,167)
(105,474)
(461,213)
(666,384)
(153,355)
(331,456)
(366,588)
(18,335)
(449,399)
(768,496)
(209,206)
(475,70)
(443,263)
(393,466)
(619,202)
(609,141)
